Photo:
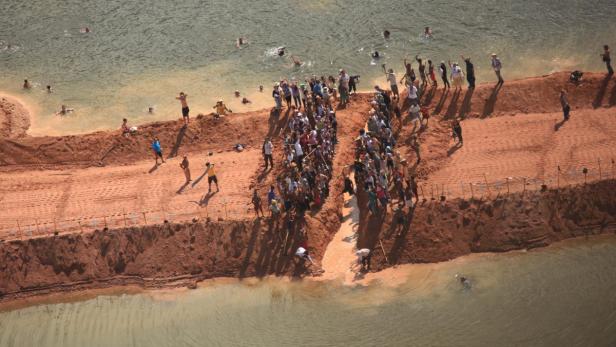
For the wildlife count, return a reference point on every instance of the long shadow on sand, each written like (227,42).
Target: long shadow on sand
(465,109)
(601,93)
(178,142)
(488,108)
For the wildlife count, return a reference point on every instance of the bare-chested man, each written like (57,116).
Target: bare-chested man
(185,108)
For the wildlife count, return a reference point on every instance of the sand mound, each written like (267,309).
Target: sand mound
(14,118)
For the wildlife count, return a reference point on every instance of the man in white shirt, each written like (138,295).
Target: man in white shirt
(412,96)
(267,153)
(363,258)
(393,83)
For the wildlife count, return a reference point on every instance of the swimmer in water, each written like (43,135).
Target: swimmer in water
(240,42)
(246,101)
(151,110)
(64,110)
(428,32)
(386,34)
(237,93)
(376,55)
(281,51)
(261,88)
(464,281)
(85,30)
(296,61)
(27,84)
(49,89)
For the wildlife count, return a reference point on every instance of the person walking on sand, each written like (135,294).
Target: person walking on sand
(457,131)
(267,149)
(158,151)
(607,60)
(256,202)
(470,72)
(564,102)
(185,109)
(497,66)
(184,166)
(211,177)
(443,69)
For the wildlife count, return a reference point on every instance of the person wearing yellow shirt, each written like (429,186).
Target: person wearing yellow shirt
(211,177)
(221,109)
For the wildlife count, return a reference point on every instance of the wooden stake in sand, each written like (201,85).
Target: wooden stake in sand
(21,235)
(124,214)
(383,249)
(507,179)
(37,227)
(145,221)
(558,177)
(524,188)
(485,179)
(472,191)
(599,162)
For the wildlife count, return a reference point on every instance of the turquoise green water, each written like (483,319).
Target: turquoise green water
(559,296)
(141,54)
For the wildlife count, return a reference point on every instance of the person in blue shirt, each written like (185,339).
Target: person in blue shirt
(271,195)
(158,151)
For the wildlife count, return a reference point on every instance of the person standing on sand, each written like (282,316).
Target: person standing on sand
(158,151)
(415,146)
(256,202)
(431,73)
(363,258)
(564,101)
(391,77)
(185,109)
(470,72)
(184,166)
(443,69)
(211,177)
(497,66)
(267,153)
(277,98)
(421,68)
(457,131)
(607,60)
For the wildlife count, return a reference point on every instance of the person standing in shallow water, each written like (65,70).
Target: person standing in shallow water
(470,72)
(497,65)
(607,60)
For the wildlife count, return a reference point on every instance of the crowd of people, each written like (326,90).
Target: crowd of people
(309,139)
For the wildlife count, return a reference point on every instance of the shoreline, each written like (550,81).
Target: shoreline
(392,277)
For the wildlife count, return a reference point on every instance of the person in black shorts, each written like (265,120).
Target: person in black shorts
(211,177)
(185,109)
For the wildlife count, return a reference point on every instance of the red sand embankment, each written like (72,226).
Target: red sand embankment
(439,231)
(157,255)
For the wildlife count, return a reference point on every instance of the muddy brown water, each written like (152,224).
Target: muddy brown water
(563,295)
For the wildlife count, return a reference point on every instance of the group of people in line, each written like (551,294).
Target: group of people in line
(309,139)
